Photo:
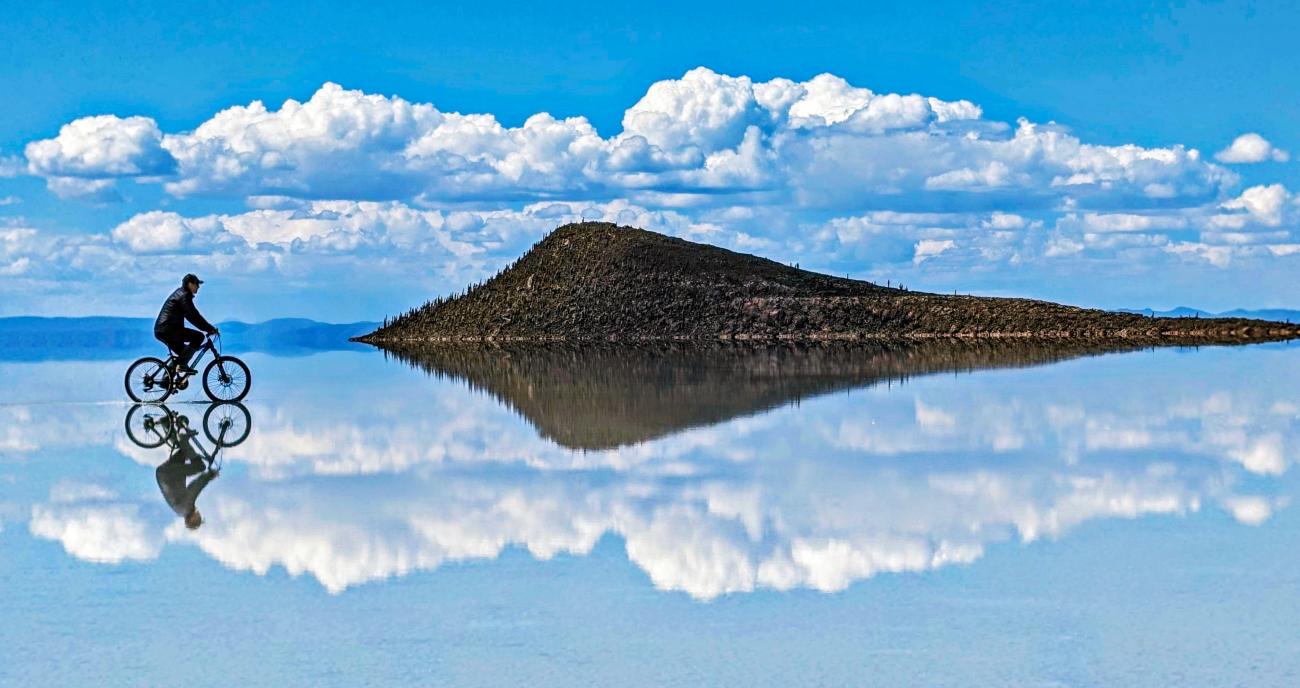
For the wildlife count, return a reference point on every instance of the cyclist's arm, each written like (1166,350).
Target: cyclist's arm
(196,318)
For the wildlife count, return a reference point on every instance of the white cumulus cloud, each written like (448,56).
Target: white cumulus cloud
(1264,204)
(817,143)
(101,146)
(929,248)
(1251,148)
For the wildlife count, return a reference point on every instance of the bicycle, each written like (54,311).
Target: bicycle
(225,379)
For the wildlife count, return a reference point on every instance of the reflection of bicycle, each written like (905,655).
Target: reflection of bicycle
(226,379)
(151,426)
(189,467)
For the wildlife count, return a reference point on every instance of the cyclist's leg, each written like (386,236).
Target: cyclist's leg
(173,343)
(182,343)
(190,340)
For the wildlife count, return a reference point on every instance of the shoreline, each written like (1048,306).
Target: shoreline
(1176,337)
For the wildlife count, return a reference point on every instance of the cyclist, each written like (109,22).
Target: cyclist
(170,328)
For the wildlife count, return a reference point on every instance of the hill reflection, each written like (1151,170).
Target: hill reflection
(598,398)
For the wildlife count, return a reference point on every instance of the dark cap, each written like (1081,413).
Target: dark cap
(191,278)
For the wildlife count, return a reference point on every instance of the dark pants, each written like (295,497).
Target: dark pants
(182,342)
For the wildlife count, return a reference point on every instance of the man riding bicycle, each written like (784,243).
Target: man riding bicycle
(170,327)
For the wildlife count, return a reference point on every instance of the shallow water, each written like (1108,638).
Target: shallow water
(665,518)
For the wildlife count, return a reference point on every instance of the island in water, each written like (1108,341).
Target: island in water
(599,282)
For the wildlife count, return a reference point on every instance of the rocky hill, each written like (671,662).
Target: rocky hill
(600,282)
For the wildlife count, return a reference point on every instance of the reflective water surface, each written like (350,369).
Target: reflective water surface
(935,515)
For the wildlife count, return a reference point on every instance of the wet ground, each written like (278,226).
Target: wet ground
(1127,519)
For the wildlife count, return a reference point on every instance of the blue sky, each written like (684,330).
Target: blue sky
(1046,151)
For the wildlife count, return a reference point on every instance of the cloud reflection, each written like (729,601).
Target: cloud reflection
(94,524)
(833,490)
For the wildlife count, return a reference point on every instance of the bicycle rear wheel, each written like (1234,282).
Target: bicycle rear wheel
(226,379)
(148,381)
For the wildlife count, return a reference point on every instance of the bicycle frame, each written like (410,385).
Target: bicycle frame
(207,345)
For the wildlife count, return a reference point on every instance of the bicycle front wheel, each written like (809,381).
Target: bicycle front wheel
(148,381)
(226,379)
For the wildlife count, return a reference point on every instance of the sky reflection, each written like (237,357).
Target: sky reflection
(863,479)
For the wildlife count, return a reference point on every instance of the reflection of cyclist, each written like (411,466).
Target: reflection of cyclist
(170,328)
(173,476)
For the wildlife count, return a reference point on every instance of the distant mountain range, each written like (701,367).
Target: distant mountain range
(32,338)
(1275,314)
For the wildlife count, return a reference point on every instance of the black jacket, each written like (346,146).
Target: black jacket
(178,308)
